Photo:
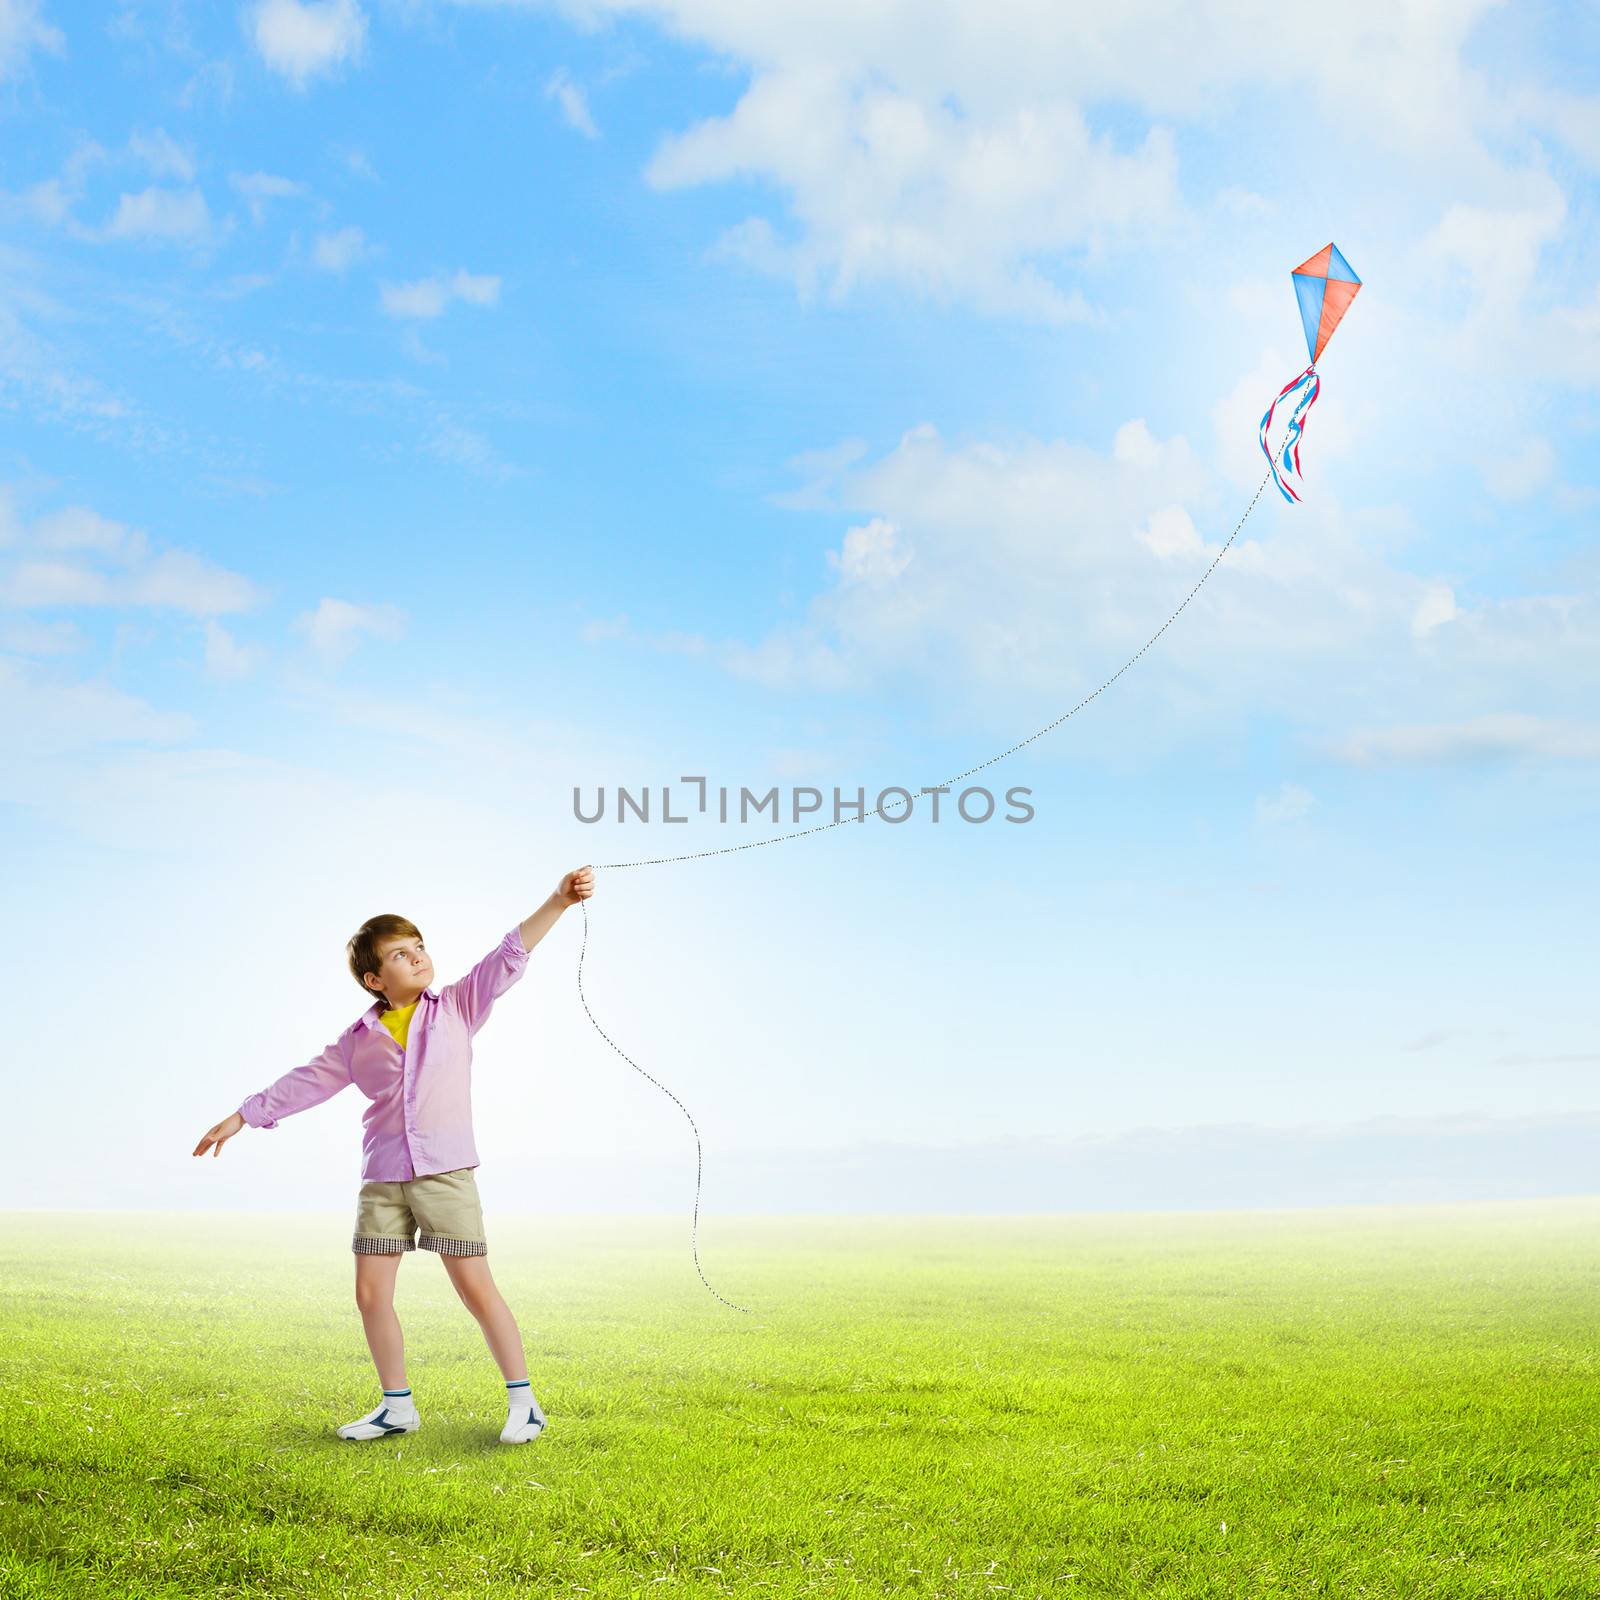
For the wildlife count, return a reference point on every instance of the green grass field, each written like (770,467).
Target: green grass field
(1384,1402)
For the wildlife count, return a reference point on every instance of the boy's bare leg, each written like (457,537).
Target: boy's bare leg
(475,1284)
(375,1277)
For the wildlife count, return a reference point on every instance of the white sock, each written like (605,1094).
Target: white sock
(398,1403)
(524,1420)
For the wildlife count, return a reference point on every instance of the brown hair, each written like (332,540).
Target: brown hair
(363,949)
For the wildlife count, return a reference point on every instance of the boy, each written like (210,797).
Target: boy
(411,1054)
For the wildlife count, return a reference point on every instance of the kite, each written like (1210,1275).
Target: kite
(1325,286)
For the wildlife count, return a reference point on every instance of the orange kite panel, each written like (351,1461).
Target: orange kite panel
(1336,300)
(1317,266)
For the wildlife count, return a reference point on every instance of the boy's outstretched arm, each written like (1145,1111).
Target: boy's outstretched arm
(472,997)
(318,1080)
(574,886)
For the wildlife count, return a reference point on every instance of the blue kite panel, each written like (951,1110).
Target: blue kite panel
(1339,268)
(1310,290)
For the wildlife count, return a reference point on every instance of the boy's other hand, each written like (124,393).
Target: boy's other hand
(219,1135)
(575,886)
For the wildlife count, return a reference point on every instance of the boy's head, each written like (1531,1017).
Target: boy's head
(388,960)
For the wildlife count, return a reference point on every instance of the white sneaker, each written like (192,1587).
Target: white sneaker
(380,1422)
(524,1424)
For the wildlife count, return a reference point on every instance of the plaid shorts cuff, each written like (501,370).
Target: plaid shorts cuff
(369,1244)
(453,1247)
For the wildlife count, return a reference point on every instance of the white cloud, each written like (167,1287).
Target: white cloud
(1501,736)
(79,528)
(44,718)
(176,579)
(164,156)
(51,199)
(428,297)
(212,81)
(178,212)
(33,367)
(1499,327)
(53,583)
(47,201)
(1569,345)
(357,163)
(1495,244)
(462,447)
(478,291)
(821,470)
(1289,804)
(1243,203)
(678,643)
(785,658)
(668,642)
(336,626)
(1395,65)
(225,657)
(1042,567)
(603,628)
(175,214)
(873,553)
(238,284)
(60,561)
(22,31)
(259,187)
(188,582)
(155,212)
(1171,533)
(30,638)
(892,188)
(574,107)
(338,252)
(412,344)
(1135,445)
(1436,607)
(1520,473)
(1017,551)
(301,41)
(1573,119)
(960,151)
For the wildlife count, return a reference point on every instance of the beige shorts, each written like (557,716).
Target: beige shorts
(444,1205)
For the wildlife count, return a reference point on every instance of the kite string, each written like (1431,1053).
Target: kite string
(839,822)
(699,1161)
(1297,423)
(823,827)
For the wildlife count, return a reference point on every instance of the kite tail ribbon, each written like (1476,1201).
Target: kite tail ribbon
(1297,424)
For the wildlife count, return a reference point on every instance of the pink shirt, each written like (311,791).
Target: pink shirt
(420,1118)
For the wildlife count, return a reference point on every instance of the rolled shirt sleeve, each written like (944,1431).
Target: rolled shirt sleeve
(318,1080)
(474,995)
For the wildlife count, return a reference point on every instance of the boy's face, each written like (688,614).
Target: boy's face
(404,971)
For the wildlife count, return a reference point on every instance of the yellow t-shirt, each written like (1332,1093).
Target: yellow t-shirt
(398,1021)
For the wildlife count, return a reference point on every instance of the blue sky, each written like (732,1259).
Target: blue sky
(414,410)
